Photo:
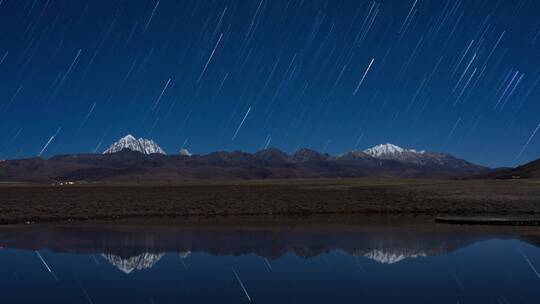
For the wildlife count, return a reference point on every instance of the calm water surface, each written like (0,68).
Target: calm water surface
(276,264)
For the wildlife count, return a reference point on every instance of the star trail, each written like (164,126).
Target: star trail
(451,76)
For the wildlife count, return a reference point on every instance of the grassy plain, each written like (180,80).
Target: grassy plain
(21,203)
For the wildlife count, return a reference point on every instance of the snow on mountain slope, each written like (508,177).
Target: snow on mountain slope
(390,152)
(142,145)
(385,150)
(185,152)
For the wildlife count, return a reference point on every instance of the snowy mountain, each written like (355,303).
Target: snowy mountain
(139,262)
(142,145)
(185,152)
(389,150)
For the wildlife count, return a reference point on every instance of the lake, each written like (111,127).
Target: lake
(292,261)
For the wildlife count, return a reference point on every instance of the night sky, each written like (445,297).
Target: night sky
(461,77)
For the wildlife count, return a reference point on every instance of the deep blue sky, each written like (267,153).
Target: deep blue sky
(454,76)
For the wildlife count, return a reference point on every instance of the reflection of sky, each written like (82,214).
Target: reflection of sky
(486,271)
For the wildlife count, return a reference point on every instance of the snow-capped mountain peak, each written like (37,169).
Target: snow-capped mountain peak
(184,152)
(128,138)
(388,149)
(142,145)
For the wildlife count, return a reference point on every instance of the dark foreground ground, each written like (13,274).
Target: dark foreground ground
(37,203)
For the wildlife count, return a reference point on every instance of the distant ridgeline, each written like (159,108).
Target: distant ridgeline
(131,159)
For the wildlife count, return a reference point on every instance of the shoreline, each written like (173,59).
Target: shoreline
(492,221)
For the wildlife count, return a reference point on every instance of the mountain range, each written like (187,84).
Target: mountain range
(132,159)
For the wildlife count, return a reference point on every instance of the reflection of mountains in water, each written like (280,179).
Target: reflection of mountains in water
(147,260)
(381,255)
(131,250)
(141,261)
(138,262)
(391,257)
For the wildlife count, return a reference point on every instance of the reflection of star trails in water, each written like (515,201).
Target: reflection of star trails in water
(43,261)
(267,263)
(183,263)
(454,276)
(359,265)
(46,265)
(529,262)
(241,284)
(88,299)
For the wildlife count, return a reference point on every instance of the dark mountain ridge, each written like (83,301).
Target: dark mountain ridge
(128,165)
(528,170)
